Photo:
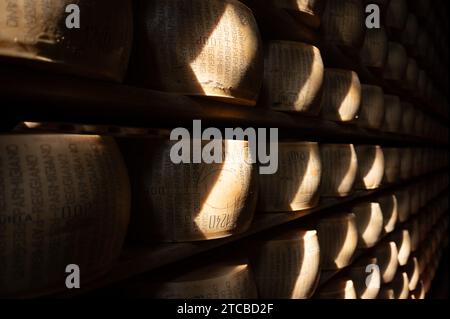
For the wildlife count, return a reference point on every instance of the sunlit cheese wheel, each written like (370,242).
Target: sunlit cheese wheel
(392,113)
(397,289)
(343,23)
(414,232)
(288,266)
(412,270)
(370,166)
(366,277)
(64,199)
(411,75)
(397,13)
(338,239)
(419,292)
(201,48)
(392,162)
(308,11)
(404,204)
(389,209)
(396,62)
(231,280)
(369,221)
(191,201)
(406,163)
(35,33)
(403,242)
(340,288)
(341,95)
(295,185)
(386,253)
(375,48)
(339,169)
(409,33)
(371,110)
(293,76)
(408,118)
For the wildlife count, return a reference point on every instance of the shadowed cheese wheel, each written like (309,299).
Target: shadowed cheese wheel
(339,169)
(369,221)
(293,76)
(288,266)
(343,23)
(388,205)
(64,199)
(35,33)
(340,288)
(415,199)
(308,11)
(422,80)
(397,289)
(341,95)
(366,278)
(419,123)
(387,256)
(370,166)
(423,44)
(338,239)
(411,75)
(392,162)
(202,48)
(396,62)
(217,281)
(414,232)
(408,118)
(404,204)
(412,270)
(375,48)
(403,241)
(295,185)
(406,163)
(392,113)
(371,111)
(409,34)
(192,201)
(397,13)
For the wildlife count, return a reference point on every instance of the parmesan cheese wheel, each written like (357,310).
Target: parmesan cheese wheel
(414,232)
(293,76)
(192,201)
(201,48)
(414,193)
(412,270)
(341,288)
(404,202)
(366,278)
(375,48)
(369,221)
(308,11)
(64,199)
(288,266)
(370,166)
(406,163)
(229,280)
(408,114)
(411,75)
(392,164)
(419,292)
(386,253)
(409,34)
(35,33)
(392,113)
(397,289)
(371,111)
(388,205)
(403,241)
(396,62)
(339,169)
(338,239)
(295,185)
(396,15)
(343,23)
(341,95)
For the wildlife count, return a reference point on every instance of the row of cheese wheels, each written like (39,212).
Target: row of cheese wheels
(66,198)
(290,265)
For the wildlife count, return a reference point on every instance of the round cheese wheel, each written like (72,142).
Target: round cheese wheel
(414,193)
(396,15)
(339,169)
(411,75)
(375,48)
(309,12)
(406,163)
(201,48)
(397,289)
(366,277)
(341,95)
(408,118)
(340,288)
(370,166)
(419,292)
(389,209)
(392,162)
(191,201)
(288,266)
(409,33)
(412,270)
(403,241)
(343,23)
(386,253)
(295,185)
(414,232)
(369,221)
(392,113)
(64,199)
(371,110)
(404,204)
(36,33)
(293,76)
(338,239)
(396,62)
